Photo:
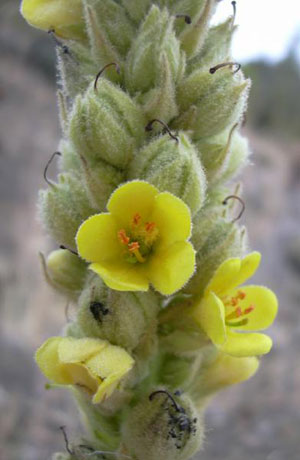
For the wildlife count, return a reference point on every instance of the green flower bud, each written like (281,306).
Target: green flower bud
(193,36)
(215,240)
(136,10)
(223,155)
(106,125)
(69,161)
(122,318)
(63,207)
(113,23)
(178,371)
(162,426)
(216,47)
(209,103)
(155,39)
(65,271)
(172,166)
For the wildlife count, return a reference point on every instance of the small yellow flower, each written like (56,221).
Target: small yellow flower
(65,17)
(92,364)
(142,240)
(226,312)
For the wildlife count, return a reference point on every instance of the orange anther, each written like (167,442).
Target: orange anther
(234,301)
(134,246)
(241,295)
(136,219)
(249,309)
(238,312)
(123,237)
(150,226)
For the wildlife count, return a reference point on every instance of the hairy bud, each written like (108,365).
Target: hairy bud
(172,166)
(164,426)
(107,125)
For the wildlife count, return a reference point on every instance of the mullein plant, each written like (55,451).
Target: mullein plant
(150,249)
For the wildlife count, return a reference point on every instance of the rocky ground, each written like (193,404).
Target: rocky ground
(259,420)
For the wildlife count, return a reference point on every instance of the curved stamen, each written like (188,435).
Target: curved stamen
(63,429)
(187,18)
(174,403)
(149,127)
(233,3)
(102,70)
(212,70)
(49,182)
(242,203)
(68,249)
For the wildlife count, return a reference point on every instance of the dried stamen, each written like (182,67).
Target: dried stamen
(242,203)
(149,127)
(174,403)
(233,3)
(102,70)
(63,429)
(187,18)
(212,70)
(68,249)
(49,182)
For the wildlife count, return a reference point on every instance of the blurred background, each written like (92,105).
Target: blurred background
(258,420)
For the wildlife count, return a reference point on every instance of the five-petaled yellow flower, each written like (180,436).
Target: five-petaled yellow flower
(91,364)
(64,17)
(142,240)
(227,312)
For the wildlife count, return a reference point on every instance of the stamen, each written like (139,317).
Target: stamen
(102,70)
(234,11)
(49,182)
(241,295)
(150,226)
(235,314)
(136,219)
(174,403)
(249,309)
(243,322)
(123,237)
(68,249)
(242,203)
(186,17)
(149,127)
(63,429)
(212,70)
(134,248)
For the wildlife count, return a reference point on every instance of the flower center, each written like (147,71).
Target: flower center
(235,315)
(138,240)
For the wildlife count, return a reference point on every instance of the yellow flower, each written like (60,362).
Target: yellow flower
(65,17)
(92,364)
(227,312)
(142,240)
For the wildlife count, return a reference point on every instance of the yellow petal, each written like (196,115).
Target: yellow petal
(97,239)
(106,388)
(64,16)
(225,276)
(122,276)
(265,307)
(171,268)
(132,198)
(172,217)
(48,361)
(209,314)
(249,265)
(246,344)
(72,350)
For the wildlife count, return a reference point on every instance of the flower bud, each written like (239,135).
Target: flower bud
(122,318)
(65,271)
(155,39)
(106,125)
(164,426)
(223,155)
(172,166)
(136,10)
(63,207)
(52,14)
(216,47)
(210,102)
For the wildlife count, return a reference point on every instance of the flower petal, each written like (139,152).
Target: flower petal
(265,307)
(72,350)
(224,276)
(132,198)
(248,344)
(47,358)
(249,265)
(97,238)
(122,276)
(173,218)
(171,268)
(209,314)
